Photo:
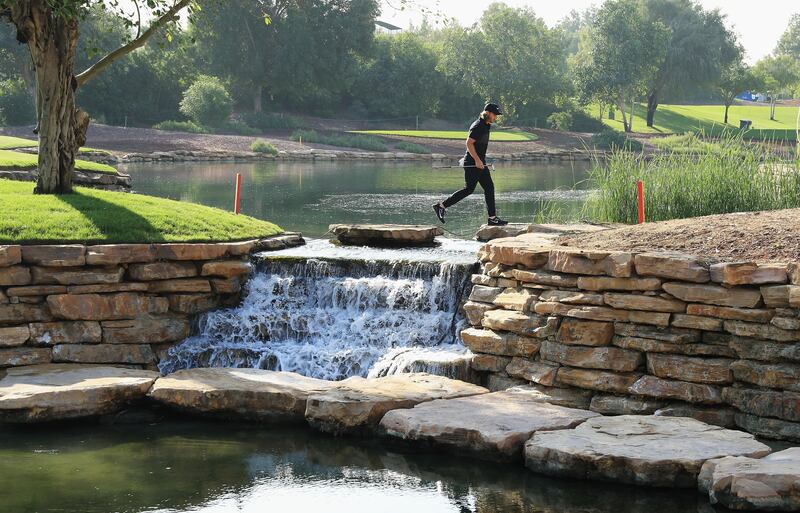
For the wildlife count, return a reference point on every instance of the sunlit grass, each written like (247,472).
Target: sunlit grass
(679,119)
(92,215)
(7,142)
(17,160)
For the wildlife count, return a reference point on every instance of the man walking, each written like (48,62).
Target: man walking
(475,169)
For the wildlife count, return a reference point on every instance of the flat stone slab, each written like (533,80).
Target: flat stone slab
(358,404)
(385,234)
(494,425)
(41,393)
(545,231)
(641,450)
(768,484)
(252,394)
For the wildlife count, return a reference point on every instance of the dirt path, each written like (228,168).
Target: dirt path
(748,236)
(128,140)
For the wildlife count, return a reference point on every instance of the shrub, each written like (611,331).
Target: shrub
(238,128)
(583,122)
(262,146)
(560,121)
(268,121)
(207,102)
(181,126)
(16,103)
(411,147)
(363,142)
(613,140)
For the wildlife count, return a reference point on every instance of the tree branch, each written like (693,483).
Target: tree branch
(124,50)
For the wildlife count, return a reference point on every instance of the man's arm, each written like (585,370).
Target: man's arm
(471,150)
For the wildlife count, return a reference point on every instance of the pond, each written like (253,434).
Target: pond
(308,196)
(213,467)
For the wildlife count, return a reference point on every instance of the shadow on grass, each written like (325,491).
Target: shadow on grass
(117,223)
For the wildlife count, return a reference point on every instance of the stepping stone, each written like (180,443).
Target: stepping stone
(642,450)
(494,425)
(250,394)
(41,393)
(768,484)
(385,234)
(356,405)
(488,232)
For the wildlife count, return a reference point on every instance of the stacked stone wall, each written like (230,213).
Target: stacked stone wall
(659,333)
(114,304)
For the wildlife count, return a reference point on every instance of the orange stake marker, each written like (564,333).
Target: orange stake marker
(640,199)
(238,198)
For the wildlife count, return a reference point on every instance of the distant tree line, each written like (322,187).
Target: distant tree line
(325,58)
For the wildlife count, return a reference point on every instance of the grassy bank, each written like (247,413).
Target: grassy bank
(679,119)
(732,176)
(7,142)
(497,135)
(92,215)
(17,160)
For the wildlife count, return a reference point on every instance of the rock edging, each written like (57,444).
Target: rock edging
(656,332)
(114,303)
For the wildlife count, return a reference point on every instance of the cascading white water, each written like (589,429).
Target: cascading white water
(336,318)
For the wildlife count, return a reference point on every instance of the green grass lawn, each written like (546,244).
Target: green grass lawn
(497,135)
(7,142)
(678,119)
(91,215)
(17,160)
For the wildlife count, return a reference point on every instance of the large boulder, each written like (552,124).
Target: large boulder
(642,450)
(357,405)
(252,394)
(385,234)
(493,425)
(41,393)
(768,484)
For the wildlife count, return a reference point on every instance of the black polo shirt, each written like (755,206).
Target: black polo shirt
(479,131)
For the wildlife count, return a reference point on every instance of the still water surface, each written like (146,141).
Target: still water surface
(193,466)
(307,196)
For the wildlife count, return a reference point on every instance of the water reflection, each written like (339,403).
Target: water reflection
(307,196)
(215,467)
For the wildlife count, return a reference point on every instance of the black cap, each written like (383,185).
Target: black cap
(493,108)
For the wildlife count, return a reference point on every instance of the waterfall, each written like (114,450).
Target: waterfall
(335,318)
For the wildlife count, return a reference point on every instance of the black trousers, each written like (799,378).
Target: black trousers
(474,176)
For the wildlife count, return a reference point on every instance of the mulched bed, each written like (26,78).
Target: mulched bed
(771,236)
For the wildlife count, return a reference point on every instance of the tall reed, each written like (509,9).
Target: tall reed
(731,176)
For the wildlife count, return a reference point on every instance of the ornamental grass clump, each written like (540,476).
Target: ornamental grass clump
(732,176)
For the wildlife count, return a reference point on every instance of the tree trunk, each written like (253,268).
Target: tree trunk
(257,95)
(52,42)
(621,106)
(630,123)
(727,106)
(652,105)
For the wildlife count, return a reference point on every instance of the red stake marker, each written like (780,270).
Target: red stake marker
(640,199)
(238,198)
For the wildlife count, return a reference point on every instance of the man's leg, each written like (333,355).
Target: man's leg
(488,191)
(471,178)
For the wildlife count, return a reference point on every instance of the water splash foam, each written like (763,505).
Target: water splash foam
(332,319)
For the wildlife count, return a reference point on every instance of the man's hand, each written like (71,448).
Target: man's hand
(480,165)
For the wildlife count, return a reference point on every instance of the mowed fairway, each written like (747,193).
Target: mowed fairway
(677,119)
(497,135)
